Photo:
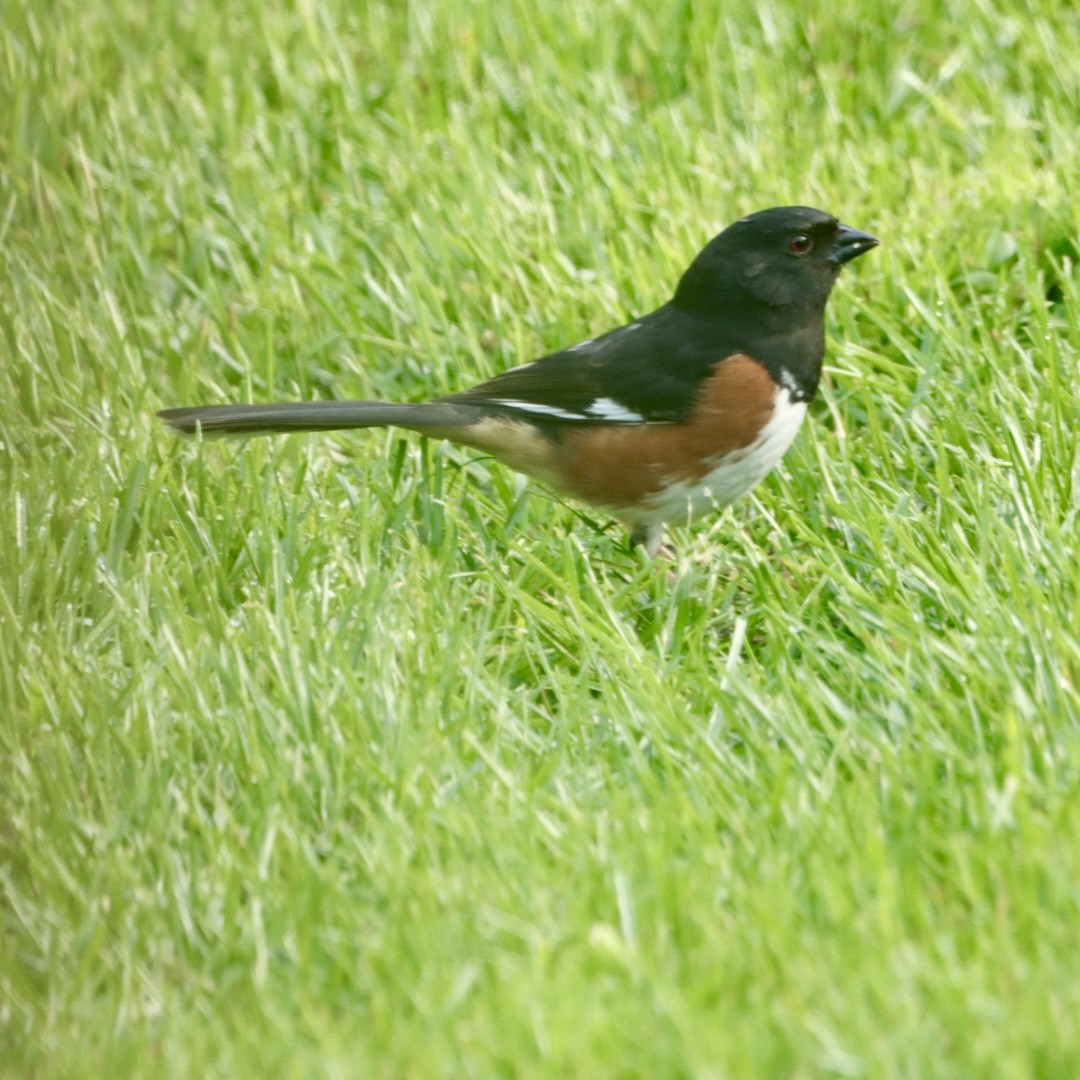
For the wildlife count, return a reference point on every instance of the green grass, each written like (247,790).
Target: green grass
(350,755)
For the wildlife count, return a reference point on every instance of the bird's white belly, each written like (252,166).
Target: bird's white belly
(734,474)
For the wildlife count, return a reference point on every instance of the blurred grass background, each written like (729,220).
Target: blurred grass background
(353,756)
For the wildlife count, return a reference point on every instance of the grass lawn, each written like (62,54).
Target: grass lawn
(354,756)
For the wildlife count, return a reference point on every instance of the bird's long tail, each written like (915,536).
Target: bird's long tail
(283,417)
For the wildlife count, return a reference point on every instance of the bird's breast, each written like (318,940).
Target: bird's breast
(740,424)
(729,476)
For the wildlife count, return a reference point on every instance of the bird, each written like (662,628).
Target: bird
(679,411)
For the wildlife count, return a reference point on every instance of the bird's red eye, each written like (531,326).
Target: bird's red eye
(800,244)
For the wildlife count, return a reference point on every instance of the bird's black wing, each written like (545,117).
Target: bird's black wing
(644,372)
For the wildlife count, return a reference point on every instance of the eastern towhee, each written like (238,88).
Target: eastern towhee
(681,410)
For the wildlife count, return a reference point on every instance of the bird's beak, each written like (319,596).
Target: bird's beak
(850,244)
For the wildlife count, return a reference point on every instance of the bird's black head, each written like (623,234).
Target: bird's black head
(783,260)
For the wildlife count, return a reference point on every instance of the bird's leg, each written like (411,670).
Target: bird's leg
(651,538)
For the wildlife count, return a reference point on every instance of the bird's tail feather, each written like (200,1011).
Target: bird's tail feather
(283,417)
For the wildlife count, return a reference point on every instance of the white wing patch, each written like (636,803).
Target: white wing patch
(601,409)
(609,409)
(536,407)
